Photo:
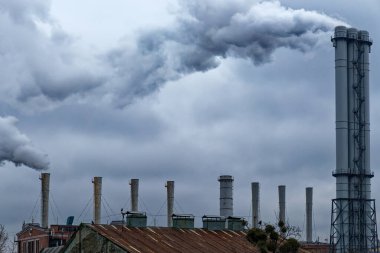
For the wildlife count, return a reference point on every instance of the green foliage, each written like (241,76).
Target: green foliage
(289,246)
(283,230)
(256,235)
(262,246)
(268,239)
(272,246)
(274,236)
(269,228)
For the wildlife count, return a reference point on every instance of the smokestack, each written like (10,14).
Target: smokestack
(281,198)
(45,182)
(255,203)
(353,216)
(226,200)
(170,201)
(309,214)
(134,195)
(97,199)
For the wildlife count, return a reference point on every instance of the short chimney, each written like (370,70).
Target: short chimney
(170,201)
(281,197)
(134,195)
(97,199)
(309,214)
(226,199)
(255,204)
(45,184)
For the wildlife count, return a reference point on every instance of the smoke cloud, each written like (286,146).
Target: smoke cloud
(42,65)
(17,148)
(208,31)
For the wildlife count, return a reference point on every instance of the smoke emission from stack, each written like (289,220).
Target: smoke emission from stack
(201,38)
(205,32)
(17,148)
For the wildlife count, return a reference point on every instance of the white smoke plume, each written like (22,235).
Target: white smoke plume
(41,65)
(17,148)
(208,31)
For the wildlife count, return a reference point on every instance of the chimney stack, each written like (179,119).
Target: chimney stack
(226,199)
(255,203)
(309,214)
(45,182)
(97,199)
(281,197)
(170,201)
(134,195)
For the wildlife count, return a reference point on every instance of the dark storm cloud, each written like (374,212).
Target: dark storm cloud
(17,148)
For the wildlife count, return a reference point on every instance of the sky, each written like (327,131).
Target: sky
(173,90)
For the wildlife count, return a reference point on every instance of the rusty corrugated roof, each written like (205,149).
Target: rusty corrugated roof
(168,240)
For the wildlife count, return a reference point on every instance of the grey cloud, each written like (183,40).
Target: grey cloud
(24,11)
(17,148)
(39,63)
(42,66)
(207,32)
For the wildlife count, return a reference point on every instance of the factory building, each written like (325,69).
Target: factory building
(33,238)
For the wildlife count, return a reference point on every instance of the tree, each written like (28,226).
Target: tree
(275,239)
(291,245)
(3,239)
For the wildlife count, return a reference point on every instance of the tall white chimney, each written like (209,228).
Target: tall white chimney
(226,199)
(134,195)
(45,184)
(281,198)
(97,199)
(170,201)
(255,204)
(309,214)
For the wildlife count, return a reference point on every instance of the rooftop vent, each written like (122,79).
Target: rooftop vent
(136,219)
(212,222)
(236,223)
(183,220)
(70,220)
(117,222)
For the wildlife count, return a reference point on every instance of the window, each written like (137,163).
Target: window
(31,247)
(37,246)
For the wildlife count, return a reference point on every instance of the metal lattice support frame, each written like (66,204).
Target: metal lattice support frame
(339,240)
